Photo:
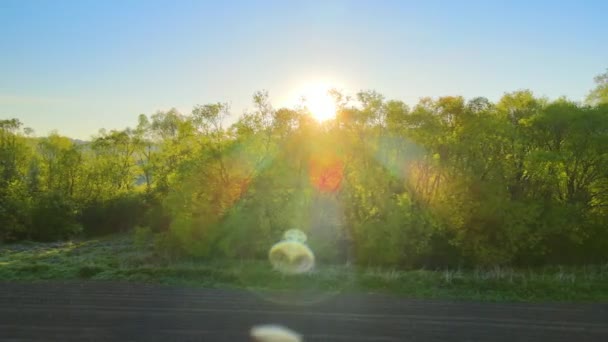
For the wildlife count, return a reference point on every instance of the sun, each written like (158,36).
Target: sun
(317,99)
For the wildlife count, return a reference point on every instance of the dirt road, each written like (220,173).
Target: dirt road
(92,311)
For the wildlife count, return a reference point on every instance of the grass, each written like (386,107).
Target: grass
(118,258)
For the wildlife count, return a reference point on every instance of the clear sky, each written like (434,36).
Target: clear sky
(78,66)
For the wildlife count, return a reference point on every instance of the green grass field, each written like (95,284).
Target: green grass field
(117,258)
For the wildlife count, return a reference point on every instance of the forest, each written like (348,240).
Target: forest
(446,182)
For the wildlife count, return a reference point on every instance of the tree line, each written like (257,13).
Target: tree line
(448,182)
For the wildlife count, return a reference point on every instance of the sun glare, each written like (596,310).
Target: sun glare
(319,102)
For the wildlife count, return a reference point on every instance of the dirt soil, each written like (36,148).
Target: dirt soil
(92,311)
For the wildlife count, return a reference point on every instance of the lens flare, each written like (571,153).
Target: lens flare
(274,333)
(295,235)
(291,257)
(294,258)
(326,172)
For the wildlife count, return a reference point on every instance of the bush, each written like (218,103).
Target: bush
(53,218)
(117,215)
(15,209)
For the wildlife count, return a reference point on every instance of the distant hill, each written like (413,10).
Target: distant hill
(79,142)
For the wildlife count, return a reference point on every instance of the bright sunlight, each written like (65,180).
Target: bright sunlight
(319,102)
(262,166)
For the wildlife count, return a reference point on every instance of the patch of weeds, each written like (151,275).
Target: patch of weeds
(34,268)
(89,271)
(142,237)
(117,258)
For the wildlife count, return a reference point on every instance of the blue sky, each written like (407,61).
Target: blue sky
(77,66)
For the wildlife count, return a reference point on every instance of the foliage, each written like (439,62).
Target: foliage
(599,95)
(447,182)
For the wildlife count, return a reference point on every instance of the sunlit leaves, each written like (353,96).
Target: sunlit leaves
(599,95)
(449,181)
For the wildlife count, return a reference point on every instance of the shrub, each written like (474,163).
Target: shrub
(53,218)
(117,215)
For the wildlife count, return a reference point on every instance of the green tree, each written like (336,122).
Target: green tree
(599,95)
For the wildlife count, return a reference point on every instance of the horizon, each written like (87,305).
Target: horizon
(76,68)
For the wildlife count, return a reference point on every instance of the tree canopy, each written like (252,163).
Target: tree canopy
(450,181)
